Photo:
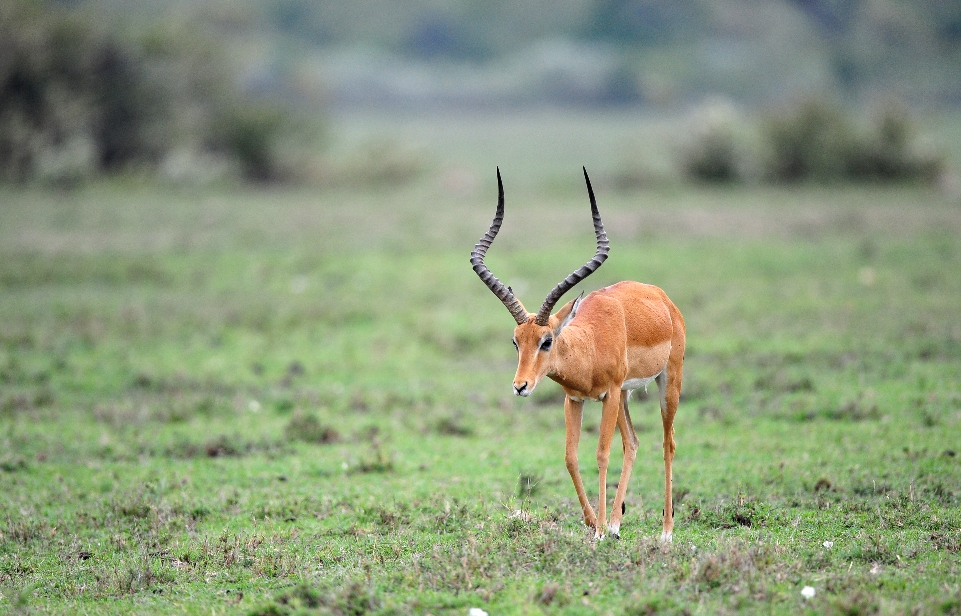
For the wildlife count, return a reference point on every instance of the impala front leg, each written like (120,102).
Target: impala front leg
(609,414)
(573,413)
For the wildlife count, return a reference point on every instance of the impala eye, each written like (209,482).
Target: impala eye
(514,340)
(546,344)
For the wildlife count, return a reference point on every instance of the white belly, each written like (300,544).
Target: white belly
(632,384)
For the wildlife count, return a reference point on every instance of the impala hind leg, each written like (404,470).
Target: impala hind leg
(573,413)
(629,442)
(670,391)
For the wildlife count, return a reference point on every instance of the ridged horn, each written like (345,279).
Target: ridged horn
(502,291)
(586,270)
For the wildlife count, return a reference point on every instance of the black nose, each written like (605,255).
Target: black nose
(520,390)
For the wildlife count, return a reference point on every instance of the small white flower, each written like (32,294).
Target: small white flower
(476,611)
(521,515)
(808,592)
(254,406)
(829,544)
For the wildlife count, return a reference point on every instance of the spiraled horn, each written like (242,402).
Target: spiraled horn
(586,270)
(502,291)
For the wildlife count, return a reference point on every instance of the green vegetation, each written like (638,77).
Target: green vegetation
(288,402)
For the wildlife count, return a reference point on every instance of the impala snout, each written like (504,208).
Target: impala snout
(523,389)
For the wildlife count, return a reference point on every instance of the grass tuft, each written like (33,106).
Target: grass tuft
(309,429)
(354,599)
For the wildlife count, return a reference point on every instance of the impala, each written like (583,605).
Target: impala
(600,347)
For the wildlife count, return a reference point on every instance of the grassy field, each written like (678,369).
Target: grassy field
(267,402)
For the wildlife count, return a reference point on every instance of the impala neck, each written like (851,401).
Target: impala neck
(567,365)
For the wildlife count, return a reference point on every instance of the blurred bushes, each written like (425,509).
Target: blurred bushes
(821,142)
(891,151)
(78,101)
(812,141)
(248,134)
(717,150)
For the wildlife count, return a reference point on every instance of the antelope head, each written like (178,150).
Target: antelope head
(536,334)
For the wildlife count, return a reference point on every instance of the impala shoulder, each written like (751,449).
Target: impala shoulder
(597,308)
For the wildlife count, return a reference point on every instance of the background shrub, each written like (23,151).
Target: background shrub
(249,135)
(891,151)
(717,150)
(815,140)
(821,141)
(808,141)
(78,101)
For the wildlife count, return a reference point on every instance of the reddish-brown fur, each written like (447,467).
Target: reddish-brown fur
(623,332)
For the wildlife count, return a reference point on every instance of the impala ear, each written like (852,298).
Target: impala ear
(567,313)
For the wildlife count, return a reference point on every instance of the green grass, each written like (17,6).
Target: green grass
(218,401)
